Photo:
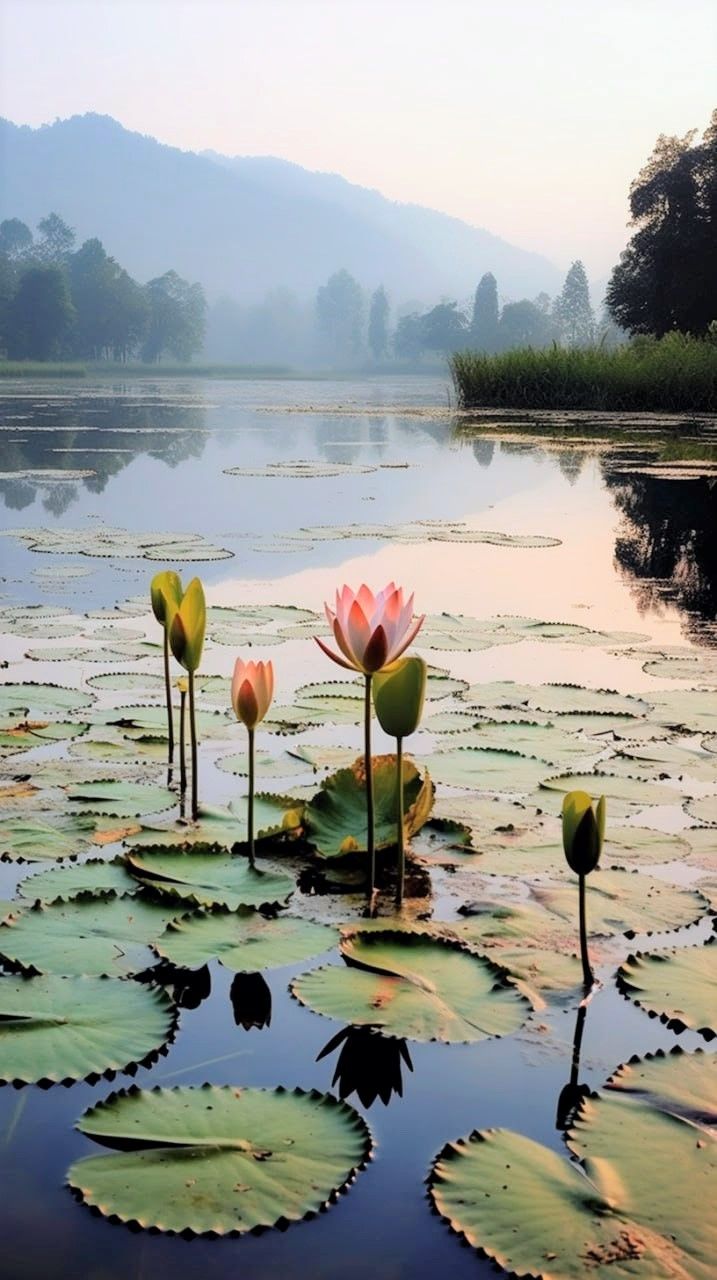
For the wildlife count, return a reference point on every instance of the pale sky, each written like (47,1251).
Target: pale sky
(527,117)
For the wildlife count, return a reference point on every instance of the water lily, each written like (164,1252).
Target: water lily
(252,692)
(165,592)
(398,696)
(371,631)
(187,623)
(583,834)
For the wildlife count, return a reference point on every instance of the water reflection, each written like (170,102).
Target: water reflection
(187,987)
(573,1092)
(251,1001)
(369,1064)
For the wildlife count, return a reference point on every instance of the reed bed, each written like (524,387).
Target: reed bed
(676,373)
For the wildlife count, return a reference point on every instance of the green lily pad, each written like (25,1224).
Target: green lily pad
(219,1161)
(54,1029)
(17,733)
(684,1084)
(209,877)
(596,1220)
(698,667)
(676,986)
(630,791)
(625,902)
(415,985)
(550,743)
(335,819)
(244,941)
(486,769)
(685,708)
(285,765)
(273,816)
(498,926)
(631,846)
(24,838)
(324,757)
(542,974)
(95,879)
(101,540)
(41,700)
(120,799)
(560,698)
(102,937)
(127,681)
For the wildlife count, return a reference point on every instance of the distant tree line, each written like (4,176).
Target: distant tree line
(666,279)
(59,302)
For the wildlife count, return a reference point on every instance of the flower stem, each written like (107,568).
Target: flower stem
(399,820)
(250,815)
(193,739)
(370,841)
(168,694)
(182,742)
(588,978)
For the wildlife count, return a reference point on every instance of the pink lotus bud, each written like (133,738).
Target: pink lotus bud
(252,691)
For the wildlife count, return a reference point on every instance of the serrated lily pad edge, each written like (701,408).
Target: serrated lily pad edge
(625,988)
(281,1223)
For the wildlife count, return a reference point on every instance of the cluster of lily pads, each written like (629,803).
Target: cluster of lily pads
(96,944)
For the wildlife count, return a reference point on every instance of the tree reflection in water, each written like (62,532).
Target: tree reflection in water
(369,1064)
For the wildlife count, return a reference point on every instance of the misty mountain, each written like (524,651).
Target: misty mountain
(245,225)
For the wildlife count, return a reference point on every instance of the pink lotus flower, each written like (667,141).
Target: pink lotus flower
(252,691)
(371,631)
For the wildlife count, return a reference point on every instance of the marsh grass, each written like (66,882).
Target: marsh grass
(41,369)
(676,373)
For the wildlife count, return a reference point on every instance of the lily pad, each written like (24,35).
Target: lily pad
(560,698)
(676,986)
(685,708)
(219,1161)
(30,839)
(703,810)
(285,765)
(54,1029)
(631,791)
(18,733)
(625,902)
(684,1084)
(102,937)
(335,819)
(101,540)
(244,941)
(274,815)
(415,985)
(41,700)
(95,879)
(486,769)
(208,876)
(120,799)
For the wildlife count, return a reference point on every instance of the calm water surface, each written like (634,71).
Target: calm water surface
(637,552)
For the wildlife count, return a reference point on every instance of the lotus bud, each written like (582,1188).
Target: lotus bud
(583,831)
(252,691)
(165,592)
(187,627)
(398,694)
(182,684)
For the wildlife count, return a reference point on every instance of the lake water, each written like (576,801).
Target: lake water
(612,533)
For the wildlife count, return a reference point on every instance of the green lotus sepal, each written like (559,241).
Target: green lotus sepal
(165,592)
(583,831)
(187,626)
(398,695)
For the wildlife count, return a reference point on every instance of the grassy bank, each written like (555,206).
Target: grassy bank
(41,369)
(675,374)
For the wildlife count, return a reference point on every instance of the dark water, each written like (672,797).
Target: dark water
(638,553)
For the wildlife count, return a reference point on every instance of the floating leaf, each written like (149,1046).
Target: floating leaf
(676,986)
(54,1029)
(335,819)
(413,984)
(97,937)
(219,1161)
(703,810)
(685,708)
(632,791)
(88,879)
(31,839)
(273,816)
(286,765)
(208,876)
(18,733)
(244,941)
(684,1084)
(561,698)
(120,799)
(486,770)
(101,540)
(41,700)
(698,667)
(625,902)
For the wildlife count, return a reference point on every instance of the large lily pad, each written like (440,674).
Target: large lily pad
(108,937)
(208,876)
(54,1029)
(101,540)
(625,902)
(703,810)
(629,791)
(245,941)
(95,879)
(273,816)
(18,733)
(118,798)
(486,770)
(31,839)
(415,985)
(219,1160)
(335,819)
(42,699)
(677,986)
(682,1083)
(624,1214)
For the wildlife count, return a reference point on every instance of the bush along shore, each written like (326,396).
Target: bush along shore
(676,373)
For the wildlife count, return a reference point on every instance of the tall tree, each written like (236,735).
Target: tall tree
(176,318)
(378,324)
(573,312)
(57,240)
(667,276)
(40,315)
(339,316)
(522,324)
(15,239)
(484,321)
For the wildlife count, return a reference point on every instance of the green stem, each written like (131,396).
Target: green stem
(182,743)
(193,740)
(588,978)
(250,815)
(168,694)
(370,840)
(399,819)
